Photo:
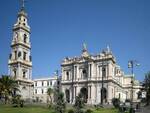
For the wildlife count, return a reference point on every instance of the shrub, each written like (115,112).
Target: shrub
(88,111)
(21,103)
(70,111)
(127,100)
(116,102)
(16,100)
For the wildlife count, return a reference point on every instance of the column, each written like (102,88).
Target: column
(89,94)
(75,93)
(90,71)
(109,93)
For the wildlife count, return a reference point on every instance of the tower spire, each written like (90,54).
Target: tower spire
(23,4)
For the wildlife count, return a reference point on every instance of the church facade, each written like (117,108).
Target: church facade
(20,62)
(91,74)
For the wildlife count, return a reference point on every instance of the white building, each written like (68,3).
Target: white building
(40,88)
(20,62)
(89,73)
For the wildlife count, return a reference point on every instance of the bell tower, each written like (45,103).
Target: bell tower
(20,61)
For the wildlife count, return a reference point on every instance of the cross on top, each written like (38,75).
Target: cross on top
(23,3)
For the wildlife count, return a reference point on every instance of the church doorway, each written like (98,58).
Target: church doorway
(84,94)
(67,92)
(104,95)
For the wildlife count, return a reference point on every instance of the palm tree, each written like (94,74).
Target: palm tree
(8,87)
(49,93)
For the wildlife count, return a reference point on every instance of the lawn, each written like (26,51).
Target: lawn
(40,109)
(104,110)
(29,109)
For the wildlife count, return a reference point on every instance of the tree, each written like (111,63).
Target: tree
(49,93)
(79,103)
(8,87)
(146,86)
(60,105)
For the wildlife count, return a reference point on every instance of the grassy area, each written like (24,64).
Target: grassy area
(40,109)
(104,110)
(29,109)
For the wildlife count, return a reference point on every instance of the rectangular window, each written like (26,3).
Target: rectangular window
(75,73)
(47,83)
(42,91)
(99,71)
(90,70)
(35,83)
(42,83)
(51,83)
(35,91)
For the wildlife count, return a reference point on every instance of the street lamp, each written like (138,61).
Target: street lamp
(131,65)
(58,81)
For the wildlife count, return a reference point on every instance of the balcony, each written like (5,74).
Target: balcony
(19,42)
(20,61)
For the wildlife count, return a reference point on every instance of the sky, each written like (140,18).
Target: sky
(60,27)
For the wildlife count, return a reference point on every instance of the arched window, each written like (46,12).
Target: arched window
(84,74)
(25,38)
(24,55)
(67,74)
(24,74)
(15,73)
(84,93)
(19,54)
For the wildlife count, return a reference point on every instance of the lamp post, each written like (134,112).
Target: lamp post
(131,65)
(57,84)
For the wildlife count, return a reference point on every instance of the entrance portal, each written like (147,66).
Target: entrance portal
(104,95)
(84,93)
(67,92)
